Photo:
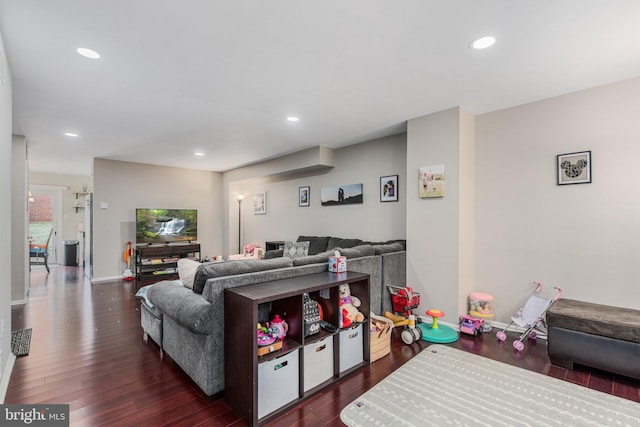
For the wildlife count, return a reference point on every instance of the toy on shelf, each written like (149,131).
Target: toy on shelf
(279,327)
(312,315)
(435,332)
(268,340)
(403,301)
(470,325)
(349,307)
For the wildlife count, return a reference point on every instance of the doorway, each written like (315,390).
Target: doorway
(44,216)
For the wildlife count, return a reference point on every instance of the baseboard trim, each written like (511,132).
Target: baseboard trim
(496,326)
(105,279)
(6,375)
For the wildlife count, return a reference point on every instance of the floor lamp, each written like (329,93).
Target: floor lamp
(239,198)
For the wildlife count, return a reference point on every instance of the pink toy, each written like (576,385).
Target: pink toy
(279,326)
(471,326)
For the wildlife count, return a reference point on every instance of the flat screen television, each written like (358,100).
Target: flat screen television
(166,225)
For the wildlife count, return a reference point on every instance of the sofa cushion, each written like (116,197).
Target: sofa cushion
(295,249)
(337,242)
(316,244)
(185,307)
(388,248)
(399,241)
(357,251)
(187,271)
(231,268)
(314,259)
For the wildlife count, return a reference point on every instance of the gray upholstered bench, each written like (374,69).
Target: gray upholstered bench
(594,335)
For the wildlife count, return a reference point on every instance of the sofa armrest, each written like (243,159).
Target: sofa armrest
(187,308)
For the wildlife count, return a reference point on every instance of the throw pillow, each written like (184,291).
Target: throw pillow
(295,249)
(316,244)
(187,271)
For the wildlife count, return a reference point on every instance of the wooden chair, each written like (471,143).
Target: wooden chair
(38,250)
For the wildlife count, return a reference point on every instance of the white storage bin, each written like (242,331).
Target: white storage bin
(277,382)
(351,350)
(318,362)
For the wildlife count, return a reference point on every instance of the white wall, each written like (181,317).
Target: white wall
(19,220)
(362,163)
(5,218)
(125,186)
(584,238)
(439,230)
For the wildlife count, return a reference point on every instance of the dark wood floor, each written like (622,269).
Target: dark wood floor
(87,351)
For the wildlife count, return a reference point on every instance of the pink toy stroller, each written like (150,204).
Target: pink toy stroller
(531,317)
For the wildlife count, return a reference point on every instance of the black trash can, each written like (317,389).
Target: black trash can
(71,252)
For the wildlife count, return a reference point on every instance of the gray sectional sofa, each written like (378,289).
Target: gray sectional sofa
(188,324)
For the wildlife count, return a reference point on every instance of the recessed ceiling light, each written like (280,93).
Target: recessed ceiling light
(88,53)
(199,153)
(483,42)
(71,134)
(292,119)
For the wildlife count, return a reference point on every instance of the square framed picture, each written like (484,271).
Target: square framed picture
(389,188)
(304,194)
(574,168)
(260,203)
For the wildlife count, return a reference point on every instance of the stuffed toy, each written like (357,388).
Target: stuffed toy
(349,307)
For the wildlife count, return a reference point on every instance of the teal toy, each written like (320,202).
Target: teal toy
(434,332)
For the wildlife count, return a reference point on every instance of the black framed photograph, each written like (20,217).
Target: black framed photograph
(574,168)
(341,195)
(304,194)
(389,188)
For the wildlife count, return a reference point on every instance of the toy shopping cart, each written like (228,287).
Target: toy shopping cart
(531,316)
(403,302)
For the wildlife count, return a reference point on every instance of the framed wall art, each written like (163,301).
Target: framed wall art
(431,181)
(260,203)
(304,193)
(341,195)
(574,168)
(389,188)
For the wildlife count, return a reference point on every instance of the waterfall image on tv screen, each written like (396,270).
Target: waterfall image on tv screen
(166,225)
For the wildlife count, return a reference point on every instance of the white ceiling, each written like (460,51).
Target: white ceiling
(222,76)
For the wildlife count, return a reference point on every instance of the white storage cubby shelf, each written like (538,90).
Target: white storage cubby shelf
(259,388)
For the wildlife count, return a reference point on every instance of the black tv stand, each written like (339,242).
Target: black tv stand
(156,263)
